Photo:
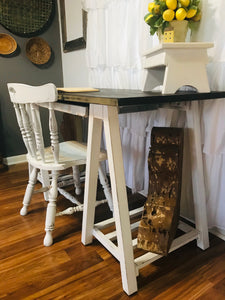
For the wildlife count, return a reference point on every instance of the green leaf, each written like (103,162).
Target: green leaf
(147,18)
(159,22)
(195,3)
(153,30)
(164,25)
(153,21)
(162,6)
(193,7)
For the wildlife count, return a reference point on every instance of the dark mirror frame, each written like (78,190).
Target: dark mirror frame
(78,43)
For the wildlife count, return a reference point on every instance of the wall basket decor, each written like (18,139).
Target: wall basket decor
(38,51)
(7,44)
(26,18)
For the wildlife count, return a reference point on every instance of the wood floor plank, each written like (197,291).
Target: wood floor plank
(70,270)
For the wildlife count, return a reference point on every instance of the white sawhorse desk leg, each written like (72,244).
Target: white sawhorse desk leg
(124,253)
(201,224)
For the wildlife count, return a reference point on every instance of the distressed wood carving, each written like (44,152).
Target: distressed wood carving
(160,217)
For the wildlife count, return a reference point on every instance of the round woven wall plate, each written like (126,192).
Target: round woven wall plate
(7,44)
(26,18)
(38,51)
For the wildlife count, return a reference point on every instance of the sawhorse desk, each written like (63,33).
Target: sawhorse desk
(104,107)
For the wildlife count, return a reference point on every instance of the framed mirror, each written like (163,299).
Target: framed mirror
(79,41)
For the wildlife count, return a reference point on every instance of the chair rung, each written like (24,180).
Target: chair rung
(74,209)
(41,190)
(68,196)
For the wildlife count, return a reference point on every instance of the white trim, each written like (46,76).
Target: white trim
(18,159)
(220,233)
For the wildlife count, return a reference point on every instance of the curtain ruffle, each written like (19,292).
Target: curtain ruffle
(94,4)
(213,127)
(114,77)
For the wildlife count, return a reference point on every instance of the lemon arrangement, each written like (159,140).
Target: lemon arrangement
(162,12)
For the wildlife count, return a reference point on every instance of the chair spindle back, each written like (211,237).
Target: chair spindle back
(25,100)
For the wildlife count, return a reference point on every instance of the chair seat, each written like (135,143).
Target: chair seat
(71,153)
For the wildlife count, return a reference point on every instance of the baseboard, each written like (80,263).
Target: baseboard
(220,233)
(18,159)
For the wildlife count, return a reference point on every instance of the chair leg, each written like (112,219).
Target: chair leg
(45,182)
(106,187)
(76,178)
(51,210)
(29,191)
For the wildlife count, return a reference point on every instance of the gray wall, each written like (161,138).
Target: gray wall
(18,68)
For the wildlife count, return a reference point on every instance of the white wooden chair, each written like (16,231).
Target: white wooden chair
(59,156)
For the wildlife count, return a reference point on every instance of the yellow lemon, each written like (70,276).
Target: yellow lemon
(191,13)
(151,6)
(181,14)
(197,17)
(171,4)
(184,3)
(148,17)
(156,9)
(168,15)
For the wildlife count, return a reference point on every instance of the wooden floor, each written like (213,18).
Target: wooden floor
(69,270)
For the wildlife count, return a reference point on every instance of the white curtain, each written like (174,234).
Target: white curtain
(117,38)
(212,29)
